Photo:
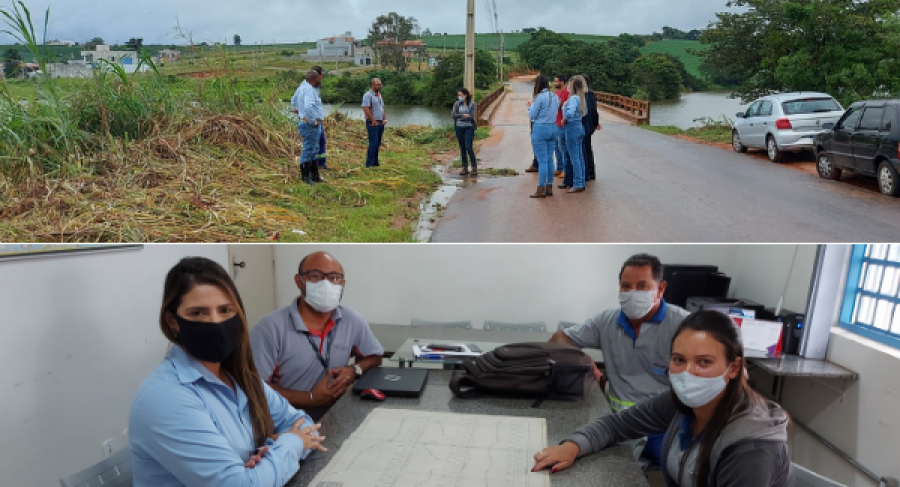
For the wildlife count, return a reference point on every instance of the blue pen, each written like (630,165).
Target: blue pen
(431,357)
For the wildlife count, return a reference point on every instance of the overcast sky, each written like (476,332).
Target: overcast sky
(286,21)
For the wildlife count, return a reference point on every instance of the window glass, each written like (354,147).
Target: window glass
(871,119)
(753,110)
(851,118)
(871,304)
(765,109)
(802,106)
(890,118)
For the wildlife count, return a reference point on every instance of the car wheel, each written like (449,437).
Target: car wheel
(887,179)
(825,167)
(736,142)
(775,155)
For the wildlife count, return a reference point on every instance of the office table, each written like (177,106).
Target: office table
(796,366)
(395,338)
(612,467)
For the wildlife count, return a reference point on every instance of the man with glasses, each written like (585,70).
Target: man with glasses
(303,350)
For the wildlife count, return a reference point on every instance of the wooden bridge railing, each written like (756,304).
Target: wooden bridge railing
(637,111)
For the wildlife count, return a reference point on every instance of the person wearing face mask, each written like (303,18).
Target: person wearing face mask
(204,417)
(635,340)
(465,116)
(719,431)
(303,350)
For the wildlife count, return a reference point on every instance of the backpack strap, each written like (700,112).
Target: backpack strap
(463,385)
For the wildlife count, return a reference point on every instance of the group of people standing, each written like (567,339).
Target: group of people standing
(307,105)
(562,124)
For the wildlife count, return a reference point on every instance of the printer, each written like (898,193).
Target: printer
(698,303)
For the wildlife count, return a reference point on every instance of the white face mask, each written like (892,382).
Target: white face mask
(697,391)
(636,304)
(462,99)
(323,296)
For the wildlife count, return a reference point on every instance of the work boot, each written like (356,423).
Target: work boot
(304,172)
(540,193)
(575,190)
(531,169)
(549,190)
(314,173)
(474,172)
(464,172)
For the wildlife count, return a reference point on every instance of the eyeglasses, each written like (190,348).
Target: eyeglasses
(316,276)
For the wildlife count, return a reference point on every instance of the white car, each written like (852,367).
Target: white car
(784,122)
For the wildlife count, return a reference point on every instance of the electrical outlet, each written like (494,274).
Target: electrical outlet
(125,437)
(108,448)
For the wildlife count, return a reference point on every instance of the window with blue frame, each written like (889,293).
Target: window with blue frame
(871,306)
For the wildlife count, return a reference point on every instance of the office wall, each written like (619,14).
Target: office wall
(80,333)
(863,421)
(393,284)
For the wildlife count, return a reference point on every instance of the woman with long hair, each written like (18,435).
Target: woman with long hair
(719,431)
(573,111)
(542,112)
(465,119)
(204,417)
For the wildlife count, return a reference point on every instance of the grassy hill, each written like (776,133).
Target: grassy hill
(64,53)
(678,49)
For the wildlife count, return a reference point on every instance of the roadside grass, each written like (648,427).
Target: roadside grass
(719,134)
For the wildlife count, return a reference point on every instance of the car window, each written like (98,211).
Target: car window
(802,106)
(890,117)
(871,119)
(765,109)
(850,119)
(751,112)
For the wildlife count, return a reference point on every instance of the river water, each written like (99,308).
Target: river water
(401,114)
(683,113)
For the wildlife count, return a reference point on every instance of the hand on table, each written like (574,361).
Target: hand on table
(557,458)
(309,435)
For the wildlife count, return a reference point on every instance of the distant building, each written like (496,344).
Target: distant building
(168,56)
(337,48)
(103,53)
(364,56)
(61,43)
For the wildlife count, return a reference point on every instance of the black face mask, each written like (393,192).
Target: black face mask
(209,342)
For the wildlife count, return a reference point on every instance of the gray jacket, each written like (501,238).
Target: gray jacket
(751,451)
(458,117)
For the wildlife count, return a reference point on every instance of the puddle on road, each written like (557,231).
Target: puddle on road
(432,206)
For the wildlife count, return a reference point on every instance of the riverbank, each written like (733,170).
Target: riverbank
(228,178)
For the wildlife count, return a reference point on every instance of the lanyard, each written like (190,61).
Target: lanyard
(327,358)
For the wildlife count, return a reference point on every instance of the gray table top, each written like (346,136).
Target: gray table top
(796,366)
(392,337)
(612,467)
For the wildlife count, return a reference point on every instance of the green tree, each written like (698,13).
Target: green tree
(12,59)
(237,40)
(93,43)
(535,52)
(447,77)
(135,44)
(387,37)
(842,47)
(656,77)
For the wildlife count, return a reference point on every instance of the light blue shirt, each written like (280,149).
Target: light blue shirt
(186,427)
(572,109)
(544,108)
(298,99)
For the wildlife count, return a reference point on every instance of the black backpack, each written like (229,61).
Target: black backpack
(535,370)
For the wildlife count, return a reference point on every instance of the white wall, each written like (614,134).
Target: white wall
(395,283)
(761,271)
(864,422)
(80,333)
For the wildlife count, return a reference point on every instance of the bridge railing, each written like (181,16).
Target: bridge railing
(637,111)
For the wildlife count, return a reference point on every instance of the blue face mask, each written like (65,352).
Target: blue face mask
(462,99)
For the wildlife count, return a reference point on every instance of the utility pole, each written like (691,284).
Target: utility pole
(469,78)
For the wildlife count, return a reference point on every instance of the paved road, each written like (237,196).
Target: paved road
(655,188)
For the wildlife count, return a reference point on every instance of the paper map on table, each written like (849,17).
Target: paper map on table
(408,448)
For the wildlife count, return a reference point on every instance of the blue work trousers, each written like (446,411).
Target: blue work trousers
(543,141)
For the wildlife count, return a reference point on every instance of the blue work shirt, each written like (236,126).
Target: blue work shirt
(298,99)
(544,108)
(187,427)
(308,103)
(572,109)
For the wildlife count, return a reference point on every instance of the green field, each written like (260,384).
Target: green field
(678,49)
(65,53)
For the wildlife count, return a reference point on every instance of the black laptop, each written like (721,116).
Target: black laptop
(405,382)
